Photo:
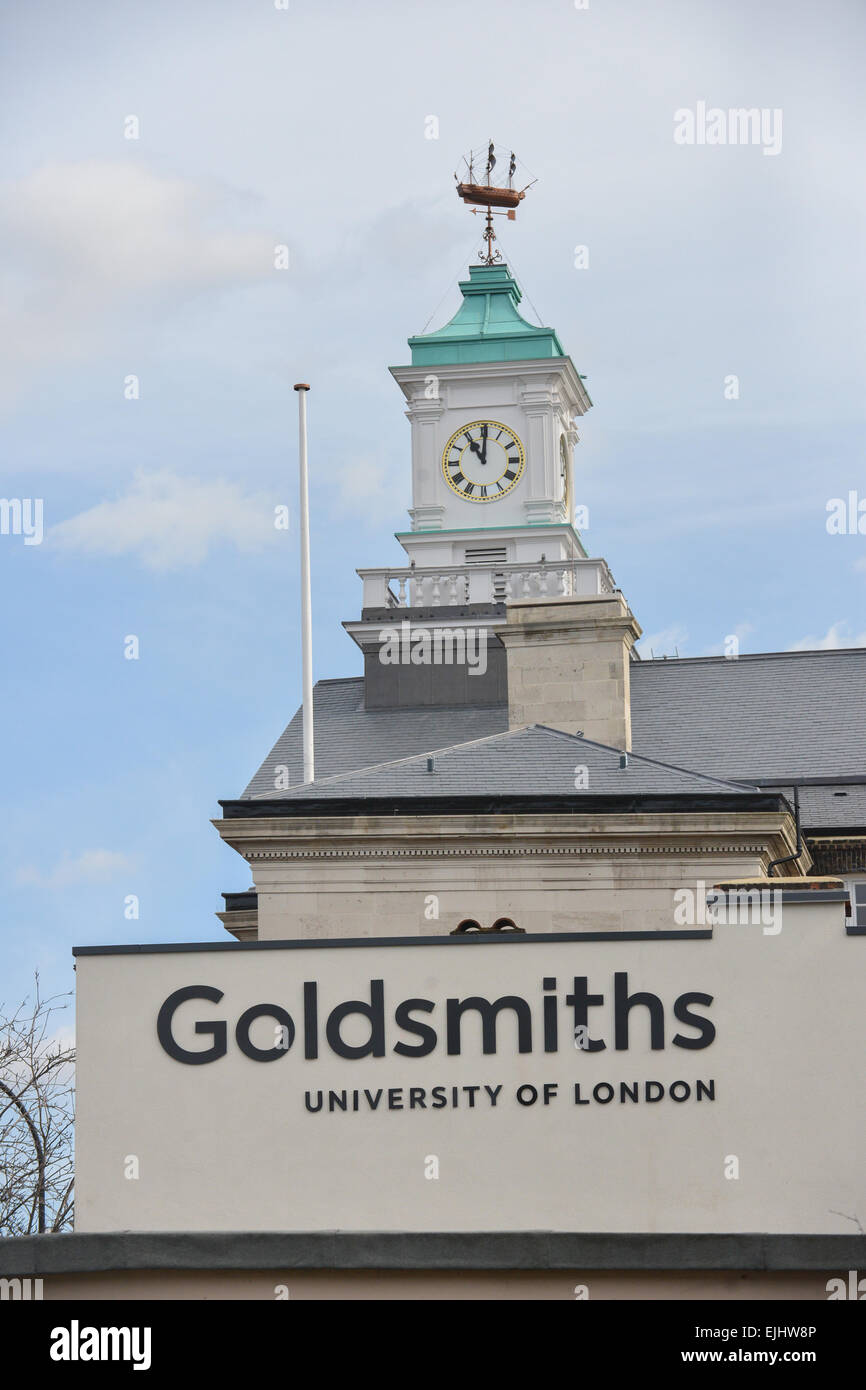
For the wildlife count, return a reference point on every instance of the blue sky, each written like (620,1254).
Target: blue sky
(154,257)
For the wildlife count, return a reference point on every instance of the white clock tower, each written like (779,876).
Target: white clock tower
(493,404)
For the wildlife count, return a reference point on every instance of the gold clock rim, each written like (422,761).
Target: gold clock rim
(500,424)
(563,453)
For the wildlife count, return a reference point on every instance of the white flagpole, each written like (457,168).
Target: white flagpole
(306,624)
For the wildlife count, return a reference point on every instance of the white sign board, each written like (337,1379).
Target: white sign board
(694,1081)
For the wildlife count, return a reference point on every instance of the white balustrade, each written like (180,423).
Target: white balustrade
(450,587)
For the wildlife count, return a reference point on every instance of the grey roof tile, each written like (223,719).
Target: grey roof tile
(348,737)
(531,761)
(780,714)
(832,807)
(774,715)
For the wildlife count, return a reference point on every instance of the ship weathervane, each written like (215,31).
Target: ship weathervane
(494,199)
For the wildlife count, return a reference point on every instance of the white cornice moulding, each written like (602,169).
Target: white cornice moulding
(559,371)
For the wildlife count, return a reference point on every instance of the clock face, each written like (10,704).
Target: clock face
(563,469)
(483,461)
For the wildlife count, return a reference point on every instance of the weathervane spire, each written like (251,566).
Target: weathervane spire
(489,195)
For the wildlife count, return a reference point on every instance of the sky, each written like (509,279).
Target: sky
(156,156)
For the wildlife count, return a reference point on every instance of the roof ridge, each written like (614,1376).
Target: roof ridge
(644,758)
(579,738)
(412,757)
(517,732)
(704,776)
(746,656)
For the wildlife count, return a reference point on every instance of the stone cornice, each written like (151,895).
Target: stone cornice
(587,618)
(565,836)
(259,853)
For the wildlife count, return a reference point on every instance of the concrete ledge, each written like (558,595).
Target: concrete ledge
(96,1252)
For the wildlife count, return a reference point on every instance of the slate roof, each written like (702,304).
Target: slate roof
(533,760)
(770,716)
(780,714)
(348,737)
(830,808)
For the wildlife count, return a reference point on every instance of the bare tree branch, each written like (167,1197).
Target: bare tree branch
(36,1118)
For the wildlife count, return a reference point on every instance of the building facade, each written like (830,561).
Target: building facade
(551,980)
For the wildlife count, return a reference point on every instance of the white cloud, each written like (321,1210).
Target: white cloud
(83,244)
(62,1039)
(90,866)
(667,642)
(837,635)
(170,522)
(365,488)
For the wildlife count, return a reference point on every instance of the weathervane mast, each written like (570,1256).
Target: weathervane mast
(488,195)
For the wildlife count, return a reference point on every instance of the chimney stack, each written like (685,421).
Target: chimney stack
(568,665)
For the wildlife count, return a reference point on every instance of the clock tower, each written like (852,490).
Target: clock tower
(493,403)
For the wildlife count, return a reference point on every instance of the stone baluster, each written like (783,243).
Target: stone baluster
(436,582)
(401,592)
(452,588)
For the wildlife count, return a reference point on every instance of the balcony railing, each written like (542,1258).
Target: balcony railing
(493,582)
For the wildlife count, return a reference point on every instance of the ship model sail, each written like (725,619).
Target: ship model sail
(504,198)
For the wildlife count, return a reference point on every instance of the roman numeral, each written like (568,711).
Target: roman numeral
(514,462)
(509,475)
(469,489)
(499,436)
(484,492)
(458,478)
(499,485)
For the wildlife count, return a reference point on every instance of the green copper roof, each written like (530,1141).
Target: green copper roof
(487,326)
